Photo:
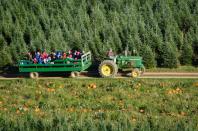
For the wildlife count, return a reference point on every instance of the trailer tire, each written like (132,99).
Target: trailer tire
(108,69)
(77,73)
(34,75)
(74,74)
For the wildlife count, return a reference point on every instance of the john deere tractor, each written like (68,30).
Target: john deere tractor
(110,66)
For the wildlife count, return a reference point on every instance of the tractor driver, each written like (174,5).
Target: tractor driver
(110,54)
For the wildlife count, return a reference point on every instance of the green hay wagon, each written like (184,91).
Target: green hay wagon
(66,65)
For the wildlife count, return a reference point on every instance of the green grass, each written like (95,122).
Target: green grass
(179,69)
(99,104)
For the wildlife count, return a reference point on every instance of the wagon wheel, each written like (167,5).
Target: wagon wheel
(108,69)
(77,73)
(34,75)
(135,73)
(74,74)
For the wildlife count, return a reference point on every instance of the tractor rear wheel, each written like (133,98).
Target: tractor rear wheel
(34,75)
(135,73)
(108,69)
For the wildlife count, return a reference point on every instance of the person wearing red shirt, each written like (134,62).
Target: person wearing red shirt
(44,56)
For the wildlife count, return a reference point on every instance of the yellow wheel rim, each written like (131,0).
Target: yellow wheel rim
(134,74)
(106,70)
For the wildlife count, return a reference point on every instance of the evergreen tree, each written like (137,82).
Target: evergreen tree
(148,56)
(167,56)
(5,57)
(186,54)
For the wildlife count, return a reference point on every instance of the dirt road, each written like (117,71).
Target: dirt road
(85,75)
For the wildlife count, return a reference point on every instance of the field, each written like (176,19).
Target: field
(99,104)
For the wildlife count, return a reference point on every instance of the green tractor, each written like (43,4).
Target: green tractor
(129,64)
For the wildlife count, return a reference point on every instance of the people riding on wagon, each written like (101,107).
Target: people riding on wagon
(38,57)
(53,55)
(44,56)
(35,60)
(49,59)
(58,55)
(78,55)
(64,55)
(70,55)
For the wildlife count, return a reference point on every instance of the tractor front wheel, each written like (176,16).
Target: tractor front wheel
(34,75)
(135,73)
(108,69)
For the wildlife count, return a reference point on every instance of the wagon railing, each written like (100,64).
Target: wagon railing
(85,58)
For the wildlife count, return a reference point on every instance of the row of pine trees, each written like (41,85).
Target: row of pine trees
(163,32)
